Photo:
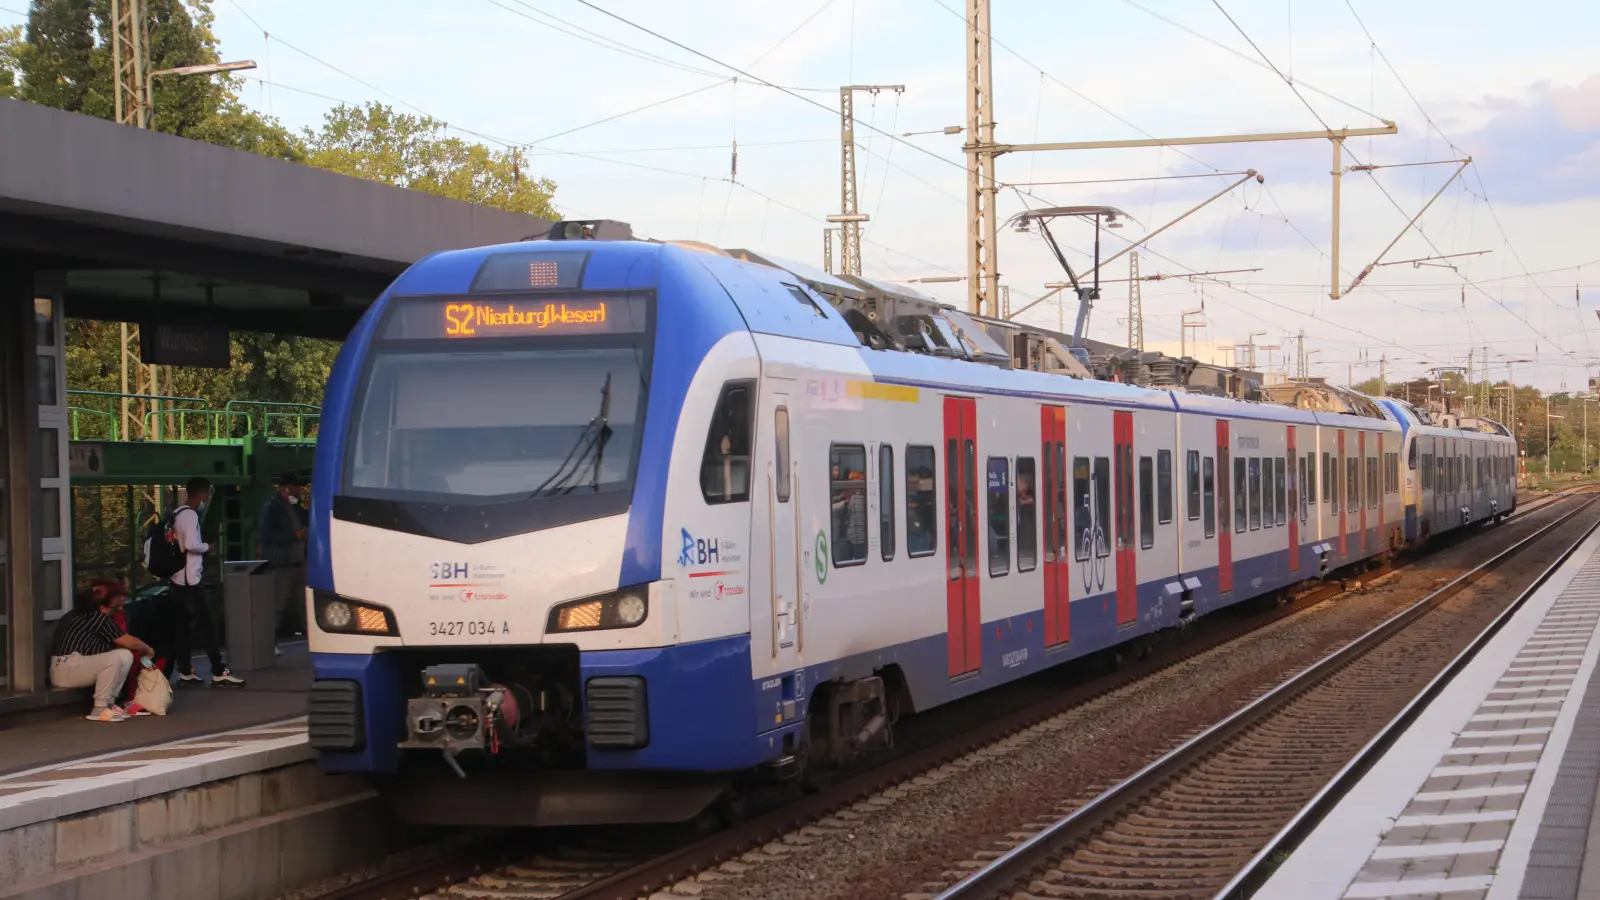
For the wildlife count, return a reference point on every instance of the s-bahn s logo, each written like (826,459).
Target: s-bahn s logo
(819,558)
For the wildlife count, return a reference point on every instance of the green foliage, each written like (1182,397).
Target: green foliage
(58,67)
(11,49)
(265,367)
(376,143)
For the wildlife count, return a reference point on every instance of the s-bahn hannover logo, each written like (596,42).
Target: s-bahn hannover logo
(706,551)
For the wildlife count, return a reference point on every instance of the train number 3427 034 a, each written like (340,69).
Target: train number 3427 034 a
(460,627)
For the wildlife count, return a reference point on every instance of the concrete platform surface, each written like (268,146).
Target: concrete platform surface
(1490,793)
(44,737)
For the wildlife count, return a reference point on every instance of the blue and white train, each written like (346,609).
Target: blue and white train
(606,529)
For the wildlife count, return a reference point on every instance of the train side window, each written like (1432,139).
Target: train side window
(1147,519)
(1255,492)
(1304,486)
(848,501)
(1163,486)
(1027,515)
(1191,469)
(1102,505)
(1329,474)
(1209,482)
(725,465)
(922,528)
(952,506)
(1352,484)
(1310,480)
(1082,512)
(1241,494)
(1280,478)
(886,535)
(999,516)
(1411,456)
(780,438)
(1266,492)
(1225,507)
(1372,482)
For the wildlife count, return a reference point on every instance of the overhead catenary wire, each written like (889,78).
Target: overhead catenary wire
(1413,226)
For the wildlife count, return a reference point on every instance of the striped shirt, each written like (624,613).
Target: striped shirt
(88,633)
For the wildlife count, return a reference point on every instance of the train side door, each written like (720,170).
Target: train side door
(1293,518)
(964,638)
(1127,553)
(1057,587)
(1363,486)
(778,513)
(1226,512)
(1341,499)
(1383,490)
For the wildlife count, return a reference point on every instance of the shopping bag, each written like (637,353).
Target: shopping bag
(154,692)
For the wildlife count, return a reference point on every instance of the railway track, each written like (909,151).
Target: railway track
(598,866)
(1208,816)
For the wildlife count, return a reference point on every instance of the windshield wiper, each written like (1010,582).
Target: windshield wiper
(591,441)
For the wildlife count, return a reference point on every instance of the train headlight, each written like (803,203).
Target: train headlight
(341,615)
(630,609)
(336,615)
(623,609)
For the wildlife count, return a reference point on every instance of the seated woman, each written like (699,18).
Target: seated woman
(89,649)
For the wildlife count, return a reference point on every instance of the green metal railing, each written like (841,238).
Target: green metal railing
(307,414)
(114,415)
(199,422)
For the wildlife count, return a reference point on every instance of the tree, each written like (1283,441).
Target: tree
(11,48)
(58,66)
(376,143)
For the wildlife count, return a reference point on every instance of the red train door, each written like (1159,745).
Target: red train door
(1293,518)
(1365,484)
(1341,499)
(1127,558)
(1057,589)
(965,637)
(1225,508)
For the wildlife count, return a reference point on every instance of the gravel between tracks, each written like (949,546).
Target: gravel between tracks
(903,841)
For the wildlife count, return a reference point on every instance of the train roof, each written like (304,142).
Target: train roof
(954,340)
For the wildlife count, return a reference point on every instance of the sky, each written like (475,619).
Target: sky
(1519,94)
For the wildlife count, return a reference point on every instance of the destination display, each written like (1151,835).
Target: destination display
(460,318)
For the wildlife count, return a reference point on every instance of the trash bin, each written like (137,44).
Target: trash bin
(249,600)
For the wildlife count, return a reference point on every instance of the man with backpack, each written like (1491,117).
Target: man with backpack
(177,552)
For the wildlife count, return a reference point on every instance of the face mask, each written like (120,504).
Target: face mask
(293,500)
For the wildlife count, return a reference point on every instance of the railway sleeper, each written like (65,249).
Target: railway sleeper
(1215,856)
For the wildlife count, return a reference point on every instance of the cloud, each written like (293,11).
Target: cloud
(1544,146)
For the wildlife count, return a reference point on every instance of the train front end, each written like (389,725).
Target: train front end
(490,628)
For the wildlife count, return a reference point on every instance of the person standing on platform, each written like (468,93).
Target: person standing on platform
(88,649)
(194,613)
(283,536)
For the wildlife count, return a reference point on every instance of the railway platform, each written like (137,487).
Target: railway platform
(1491,791)
(220,798)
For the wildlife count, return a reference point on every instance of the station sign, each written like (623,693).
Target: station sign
(202,346)
(84,460)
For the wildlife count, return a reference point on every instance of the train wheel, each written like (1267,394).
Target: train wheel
(730,808)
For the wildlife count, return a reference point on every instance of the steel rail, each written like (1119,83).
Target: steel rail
(1041,849)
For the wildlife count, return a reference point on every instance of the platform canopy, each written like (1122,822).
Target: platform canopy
(151,227)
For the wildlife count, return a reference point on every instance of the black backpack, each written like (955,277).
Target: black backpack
(163,557)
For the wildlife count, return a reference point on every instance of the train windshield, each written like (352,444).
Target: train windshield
(520,415)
